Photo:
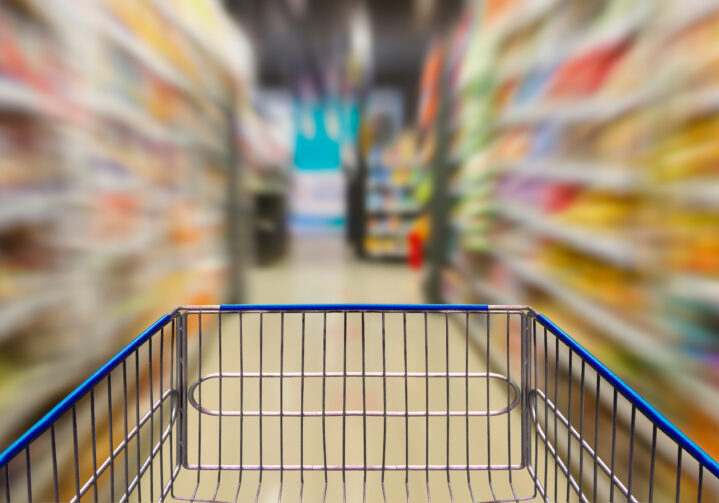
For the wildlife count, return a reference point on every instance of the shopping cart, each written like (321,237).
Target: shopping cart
(355,403)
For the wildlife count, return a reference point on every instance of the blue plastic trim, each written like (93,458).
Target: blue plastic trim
(353,307)
(48,419)
(640,403)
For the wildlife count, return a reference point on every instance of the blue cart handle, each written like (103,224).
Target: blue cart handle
(56,412)
(634,398)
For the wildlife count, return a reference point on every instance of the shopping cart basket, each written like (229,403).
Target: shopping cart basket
(355,403)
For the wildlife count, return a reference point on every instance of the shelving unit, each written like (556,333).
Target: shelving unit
(120,182)
(391,206)
(582,185)
(615,178)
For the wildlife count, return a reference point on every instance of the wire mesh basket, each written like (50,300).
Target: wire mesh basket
(355,403)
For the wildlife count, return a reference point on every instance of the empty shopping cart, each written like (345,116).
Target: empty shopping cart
(355,403)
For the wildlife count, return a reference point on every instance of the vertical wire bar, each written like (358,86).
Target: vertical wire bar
(596,436)
(569,421)
(262,466)
(555,438)
(56,488)
(466,399)
(7,483)
(364,416)
(137,418)
(302,408)
(406,408)
(679,472)
(652,459)
(384,402)
(94,443)
(632,424)
(546,411)
(199,396)
(162,419)
(172,385)
(536,412)
(614,443)
(76,458)
(126,449)
(344,398)
(219,418)
(426,407)
(509,436)
(28,475)
(700,483)
(489,434)
(581,430)
(282,408)
(242,406)
(324,394)
(152,422)
(447,385)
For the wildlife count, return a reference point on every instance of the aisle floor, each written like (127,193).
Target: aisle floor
(325,271)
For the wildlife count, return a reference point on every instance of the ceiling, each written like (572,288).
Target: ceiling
(293,37)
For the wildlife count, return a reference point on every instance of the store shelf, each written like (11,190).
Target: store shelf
(120,145)
(387,255)
(697,193)
(644,344)
(484,291)
(511,22)
(238,66)
(389,211)
(388,233)
(594,110)
(698,288)
(610,177)
(608,248)
(15,313)
(576,96)
(23,207)
(115,109)
(137,48)
(687,12)
(38,384)
(389,186)
(607,34)
(19,97)
(638,341)
(135,244)
(699,102)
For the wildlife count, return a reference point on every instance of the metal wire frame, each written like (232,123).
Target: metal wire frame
(589,439)
(194,399)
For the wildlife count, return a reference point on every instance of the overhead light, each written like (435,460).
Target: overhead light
(423,11)
(361,37)
(298,7)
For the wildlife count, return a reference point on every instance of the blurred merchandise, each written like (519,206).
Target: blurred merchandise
(558,154)
(117,146)
(391,179)
(581,173)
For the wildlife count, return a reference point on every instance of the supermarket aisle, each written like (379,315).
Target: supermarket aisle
(315,272)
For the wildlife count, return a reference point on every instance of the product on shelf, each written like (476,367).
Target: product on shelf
(582,174)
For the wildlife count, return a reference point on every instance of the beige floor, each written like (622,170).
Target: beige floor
(323,272)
